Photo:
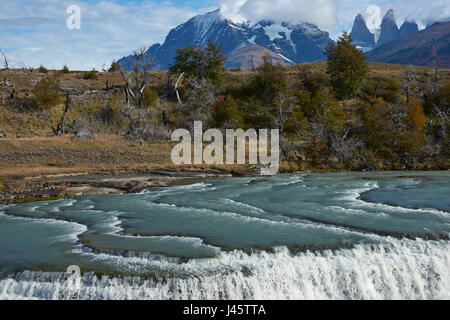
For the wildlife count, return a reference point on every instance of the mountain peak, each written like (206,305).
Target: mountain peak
(390,15)
(389,29)
(361,35)
(291,43)
(407,28)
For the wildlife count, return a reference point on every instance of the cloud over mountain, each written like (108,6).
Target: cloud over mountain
(319,12)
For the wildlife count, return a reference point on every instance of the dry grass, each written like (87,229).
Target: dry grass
(376,70)
(64,155)
(23,80)
(57,155)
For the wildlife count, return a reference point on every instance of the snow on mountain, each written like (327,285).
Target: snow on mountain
(293,44)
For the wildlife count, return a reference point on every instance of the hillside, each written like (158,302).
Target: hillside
(420,48)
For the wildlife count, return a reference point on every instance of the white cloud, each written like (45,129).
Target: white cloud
(109,30)
(319,12)
(34,32)
(333,15)
(421,11)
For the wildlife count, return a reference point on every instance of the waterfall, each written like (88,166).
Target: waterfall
(396,269)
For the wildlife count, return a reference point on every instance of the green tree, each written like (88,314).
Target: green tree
(199,62)
(347,67)
(269,81)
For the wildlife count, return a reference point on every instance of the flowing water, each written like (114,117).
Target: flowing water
(304,236)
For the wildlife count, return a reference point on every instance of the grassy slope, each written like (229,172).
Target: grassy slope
(29,150)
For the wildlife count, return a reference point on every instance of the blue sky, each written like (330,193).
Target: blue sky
(34,32)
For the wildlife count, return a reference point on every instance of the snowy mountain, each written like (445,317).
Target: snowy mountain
(290,43)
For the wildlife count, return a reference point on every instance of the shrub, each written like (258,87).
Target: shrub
(150,98)
(389,90)
(109,114)
(90,75)
(46,93)
(313,82)
(227,113)
(42,69)
(65,70)
(114,67)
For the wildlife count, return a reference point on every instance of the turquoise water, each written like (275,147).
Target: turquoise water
(303,236)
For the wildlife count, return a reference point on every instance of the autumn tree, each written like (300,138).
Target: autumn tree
(347,67)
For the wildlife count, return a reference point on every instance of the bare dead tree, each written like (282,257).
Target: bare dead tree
(323,107)
(60,127)
(176,87)
(407,83)
(5,60)
(281,115)
(284,106)
(426,86)
(139,75)
(200,98)
(345,148)
(443,112)
(4,70)
(25,68)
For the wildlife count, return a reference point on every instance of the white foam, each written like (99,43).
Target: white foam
(244,205)
(74,229)
(398,269)
(353,195)
(201,186)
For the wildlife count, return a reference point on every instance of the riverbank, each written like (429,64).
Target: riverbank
(42,168)
(46,168)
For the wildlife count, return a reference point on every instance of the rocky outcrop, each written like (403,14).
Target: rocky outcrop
(48,188)
(389,29)
(407,28)
(361,35)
